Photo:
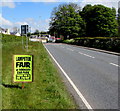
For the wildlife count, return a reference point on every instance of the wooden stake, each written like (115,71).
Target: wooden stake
(22,85)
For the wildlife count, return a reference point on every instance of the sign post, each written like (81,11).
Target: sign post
(22,42)
(22,85)
(22,67)
(24,31)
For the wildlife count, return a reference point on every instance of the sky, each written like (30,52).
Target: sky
(36,13)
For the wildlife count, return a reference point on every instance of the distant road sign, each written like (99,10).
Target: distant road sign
(24,29)
(22,67)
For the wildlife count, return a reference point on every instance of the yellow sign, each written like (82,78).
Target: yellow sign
(22,66)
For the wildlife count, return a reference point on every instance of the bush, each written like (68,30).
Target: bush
(105,43)
(69,41)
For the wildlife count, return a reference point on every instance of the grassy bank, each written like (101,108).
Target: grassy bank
(46,92)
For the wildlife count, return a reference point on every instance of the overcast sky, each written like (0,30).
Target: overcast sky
(36,13)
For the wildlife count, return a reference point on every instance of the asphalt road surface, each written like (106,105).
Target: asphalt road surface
(95,74)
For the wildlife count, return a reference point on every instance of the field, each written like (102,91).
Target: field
(47,91)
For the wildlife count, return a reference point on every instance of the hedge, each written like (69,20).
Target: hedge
(105,43)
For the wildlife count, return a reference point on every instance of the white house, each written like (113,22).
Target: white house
(15,33)
(4,31)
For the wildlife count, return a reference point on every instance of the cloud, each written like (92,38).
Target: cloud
(55,0)
(5,22)
(108,3)
(20,23)
(44,0)
(7,3)
(41,25)
(47,0)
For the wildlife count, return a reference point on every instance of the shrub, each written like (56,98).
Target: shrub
(105,43)
(69,41)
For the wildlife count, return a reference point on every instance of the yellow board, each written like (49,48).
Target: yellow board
(22,67)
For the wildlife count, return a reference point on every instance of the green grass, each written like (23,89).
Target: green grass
(47,91)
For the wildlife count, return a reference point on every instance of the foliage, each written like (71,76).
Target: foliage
(69,41)
(118,21)
(105,43)
(100,20)
(66,21)
(43,32)
(36,32)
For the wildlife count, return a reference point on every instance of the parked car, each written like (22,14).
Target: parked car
(51,39)
(58,40)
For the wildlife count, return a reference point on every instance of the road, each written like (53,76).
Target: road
(95,74)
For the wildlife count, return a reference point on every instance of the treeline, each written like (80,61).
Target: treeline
(70,21)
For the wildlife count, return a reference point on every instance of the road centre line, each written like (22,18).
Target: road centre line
(86,55)
(70,49)
(71,82)
(115,64)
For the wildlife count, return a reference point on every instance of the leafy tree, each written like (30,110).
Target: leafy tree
(36,32)
(100,20)
(28,34)
(85,14)
(66,20)
(118,21)
(43,32)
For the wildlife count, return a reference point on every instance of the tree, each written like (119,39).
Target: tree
(43,32)
(36,32)
(85,14)
(118,21)
(66,21)
(100,20)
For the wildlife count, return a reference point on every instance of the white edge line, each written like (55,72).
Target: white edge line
(71,82)
(114,64)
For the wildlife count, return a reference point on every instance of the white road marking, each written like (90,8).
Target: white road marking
(73,85)
(89,56)
(86,55)
(70,49)
(114,64)
(62,46)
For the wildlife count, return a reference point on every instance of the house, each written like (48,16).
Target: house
(4,31)
(15,33)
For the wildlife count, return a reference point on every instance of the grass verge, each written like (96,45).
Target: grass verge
(46,92)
